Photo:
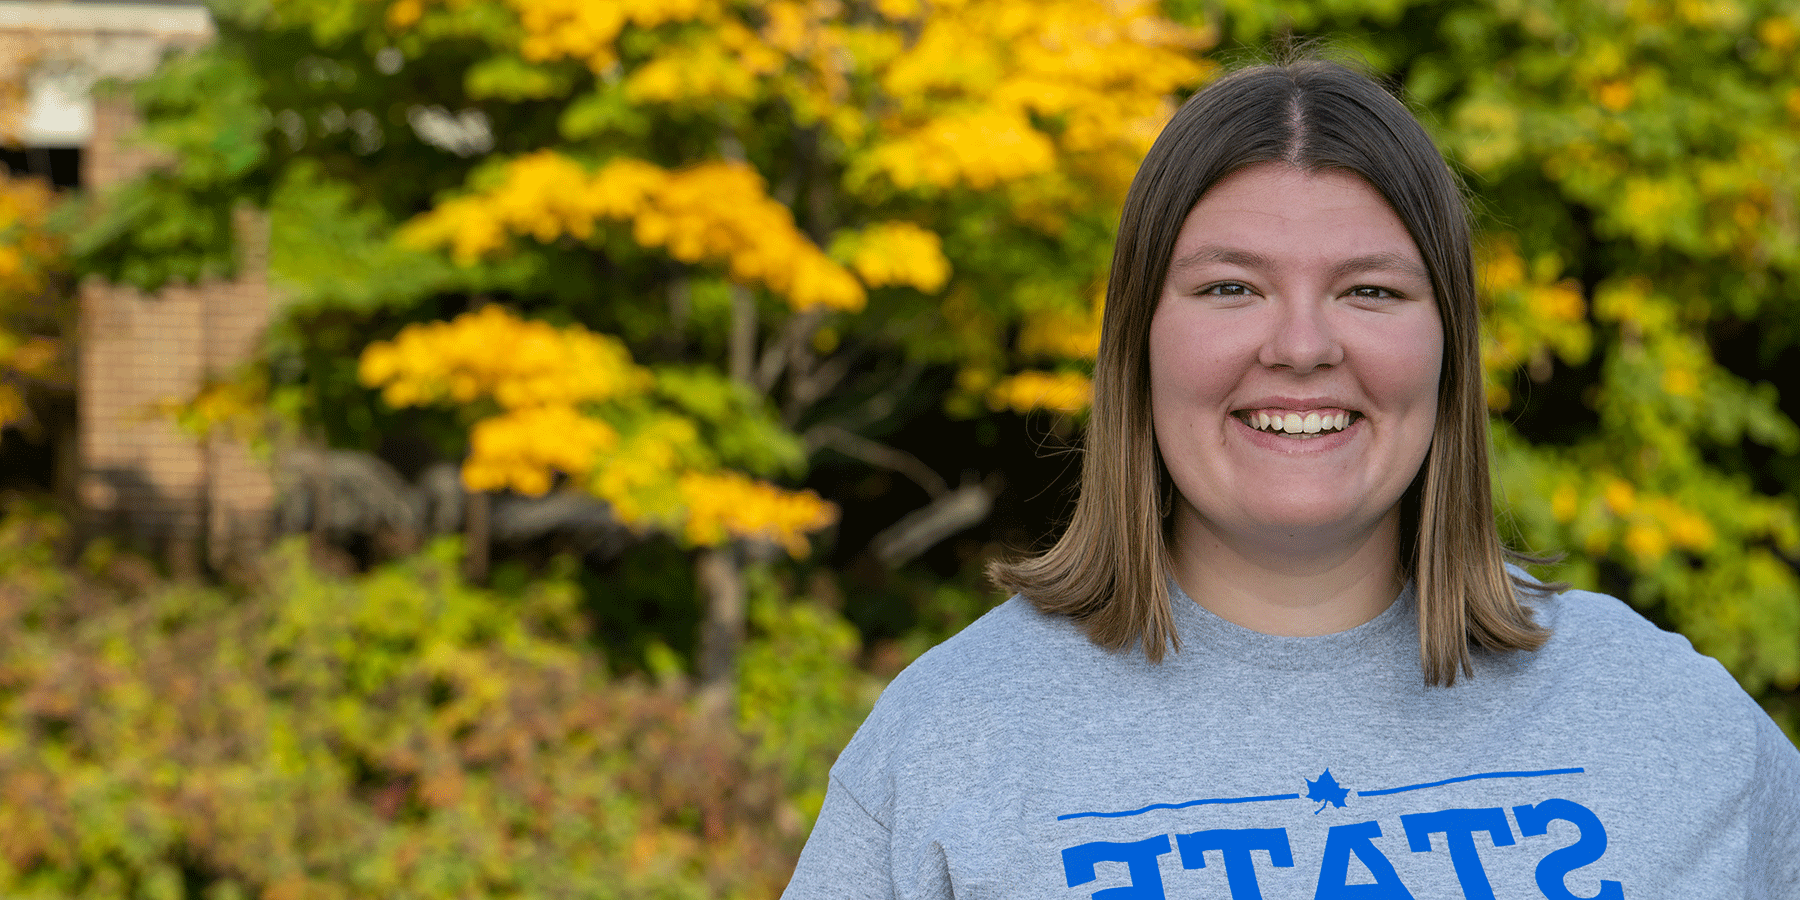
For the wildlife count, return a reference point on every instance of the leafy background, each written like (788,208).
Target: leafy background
(802,295)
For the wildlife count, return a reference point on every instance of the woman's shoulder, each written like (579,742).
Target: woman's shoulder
(1600,629)
(1604,649)
(1006,645)
(1601,646)
(1600,625)
(963,695)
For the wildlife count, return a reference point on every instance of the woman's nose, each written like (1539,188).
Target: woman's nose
(1301,338)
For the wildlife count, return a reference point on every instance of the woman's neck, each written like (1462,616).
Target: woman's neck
(1286,587)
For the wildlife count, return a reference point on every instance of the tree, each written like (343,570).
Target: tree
(792,225)
(775,218)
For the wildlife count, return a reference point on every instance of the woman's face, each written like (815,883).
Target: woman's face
(1294,360)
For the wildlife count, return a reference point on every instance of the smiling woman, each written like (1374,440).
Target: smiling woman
(1216,197)
(1296,299)
(1278,651)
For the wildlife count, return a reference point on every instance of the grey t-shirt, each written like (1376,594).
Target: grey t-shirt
(1020,760)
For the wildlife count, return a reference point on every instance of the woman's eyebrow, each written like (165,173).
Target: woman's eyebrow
(1212,253)
(1384,261)
(1381,262)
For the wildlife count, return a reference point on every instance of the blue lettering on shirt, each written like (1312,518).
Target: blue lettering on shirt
(1557,864)
(1358,839)
(1458,826)
(1139,858)
(1240,851)
(1234,846)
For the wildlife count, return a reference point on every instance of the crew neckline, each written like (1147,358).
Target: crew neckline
(1389,638)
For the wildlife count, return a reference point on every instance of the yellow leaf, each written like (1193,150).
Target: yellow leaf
(1564,503)
(1621,498)
(1030,391)
(901,253)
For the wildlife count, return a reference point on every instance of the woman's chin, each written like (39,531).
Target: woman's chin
(1300,531)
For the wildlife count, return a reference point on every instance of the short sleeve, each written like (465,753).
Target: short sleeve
(1774,849)
(847,856)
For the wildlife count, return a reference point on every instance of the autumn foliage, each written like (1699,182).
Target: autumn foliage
(1044,108)
(32,257)
(734,268)
(573,402)
(730,241)
(398,734)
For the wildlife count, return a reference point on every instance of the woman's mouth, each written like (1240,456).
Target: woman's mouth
(1298,424)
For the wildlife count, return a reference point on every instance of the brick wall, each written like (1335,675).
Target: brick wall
(193,500)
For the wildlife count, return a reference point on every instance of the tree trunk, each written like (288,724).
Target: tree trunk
(719,572)
(743,333)
(476,536)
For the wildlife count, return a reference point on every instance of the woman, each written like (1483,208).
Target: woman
(1278,652)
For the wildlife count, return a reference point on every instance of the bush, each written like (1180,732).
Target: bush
(400,734)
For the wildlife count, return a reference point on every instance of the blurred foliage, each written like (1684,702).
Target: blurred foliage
(811,238)
(800,690)
(35,300)
(654,445)
(396,734)
(777,214)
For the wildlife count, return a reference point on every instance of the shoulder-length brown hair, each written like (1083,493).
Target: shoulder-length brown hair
(1108,571)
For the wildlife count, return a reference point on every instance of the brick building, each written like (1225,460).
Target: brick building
(195,501)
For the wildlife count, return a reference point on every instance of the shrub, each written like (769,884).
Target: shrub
(400,734)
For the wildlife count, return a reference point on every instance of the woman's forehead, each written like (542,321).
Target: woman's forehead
(1274,214)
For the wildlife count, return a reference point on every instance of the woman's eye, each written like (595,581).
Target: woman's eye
(1226,289)
(1371,292)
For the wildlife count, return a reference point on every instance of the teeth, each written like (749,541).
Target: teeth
(1295,423)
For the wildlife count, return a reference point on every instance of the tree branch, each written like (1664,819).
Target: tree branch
(779,354)
(881,405)
(876,454)
(820,380)
(947,514)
